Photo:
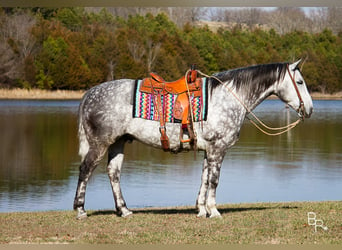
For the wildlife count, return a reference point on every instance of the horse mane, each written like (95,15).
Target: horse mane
(257,78)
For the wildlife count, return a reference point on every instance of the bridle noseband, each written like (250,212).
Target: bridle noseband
(301,109)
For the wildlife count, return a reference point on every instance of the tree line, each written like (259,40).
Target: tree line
(77,48)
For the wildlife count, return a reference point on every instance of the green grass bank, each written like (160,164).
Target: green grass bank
(258,223)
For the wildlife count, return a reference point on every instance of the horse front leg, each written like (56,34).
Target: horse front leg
(213,178)
(206,201)
(115,160)
(202,195)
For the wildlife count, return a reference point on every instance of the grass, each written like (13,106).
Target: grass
(260,223)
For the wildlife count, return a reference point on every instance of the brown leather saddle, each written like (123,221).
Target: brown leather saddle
(158,87)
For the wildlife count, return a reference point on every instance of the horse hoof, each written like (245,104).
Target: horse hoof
(201,215)
(202,212)
(125,213)
(81,214)
(215,214)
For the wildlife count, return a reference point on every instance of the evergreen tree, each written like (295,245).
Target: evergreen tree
(70,48)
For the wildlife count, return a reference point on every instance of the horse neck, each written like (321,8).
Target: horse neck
(252,97)
(225,98)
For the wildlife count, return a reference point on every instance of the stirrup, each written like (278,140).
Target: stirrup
(185,127)
(186,140)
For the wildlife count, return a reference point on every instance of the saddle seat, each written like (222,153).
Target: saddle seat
(157,83)
(158,87)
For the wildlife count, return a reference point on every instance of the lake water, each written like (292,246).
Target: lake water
(39,162)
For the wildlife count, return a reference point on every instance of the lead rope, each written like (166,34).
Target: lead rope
(284,128)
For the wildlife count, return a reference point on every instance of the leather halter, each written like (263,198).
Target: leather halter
(301,109)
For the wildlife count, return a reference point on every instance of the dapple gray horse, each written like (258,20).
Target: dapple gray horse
(106,123)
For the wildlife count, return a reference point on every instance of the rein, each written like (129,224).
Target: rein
(284,128)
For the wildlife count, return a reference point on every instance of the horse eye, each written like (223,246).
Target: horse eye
(300,82)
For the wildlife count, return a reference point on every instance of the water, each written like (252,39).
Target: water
(39,162)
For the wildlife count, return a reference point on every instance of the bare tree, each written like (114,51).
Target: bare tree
(144,50)
(153,51)
(178,15)
(216,14)
(111,67)
(137,49)
(288,19)
(319,18)
(250,16)
(16,44)
(334,19)
(242,17)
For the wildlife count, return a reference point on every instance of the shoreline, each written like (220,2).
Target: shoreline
(40,94)
(322,96)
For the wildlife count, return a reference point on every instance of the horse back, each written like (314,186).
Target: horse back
(106,106)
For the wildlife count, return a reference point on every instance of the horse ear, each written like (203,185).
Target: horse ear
(294,65)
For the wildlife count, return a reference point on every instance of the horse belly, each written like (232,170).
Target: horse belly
(148,133)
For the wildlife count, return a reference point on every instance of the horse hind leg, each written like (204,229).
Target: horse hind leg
(84,144)
(89,163)
(115,160)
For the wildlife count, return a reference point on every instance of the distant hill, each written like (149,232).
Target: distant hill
(214,26)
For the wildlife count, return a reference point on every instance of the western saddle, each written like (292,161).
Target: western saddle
(185,86)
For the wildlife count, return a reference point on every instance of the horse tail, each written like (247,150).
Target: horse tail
(83,141)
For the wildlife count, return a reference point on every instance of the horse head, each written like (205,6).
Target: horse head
(293,90)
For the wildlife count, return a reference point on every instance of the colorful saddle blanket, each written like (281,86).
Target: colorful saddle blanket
(144,106)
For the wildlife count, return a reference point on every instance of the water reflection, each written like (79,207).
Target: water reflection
(39,161)
(38,148)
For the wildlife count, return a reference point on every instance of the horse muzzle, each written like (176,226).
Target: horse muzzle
(303,113)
